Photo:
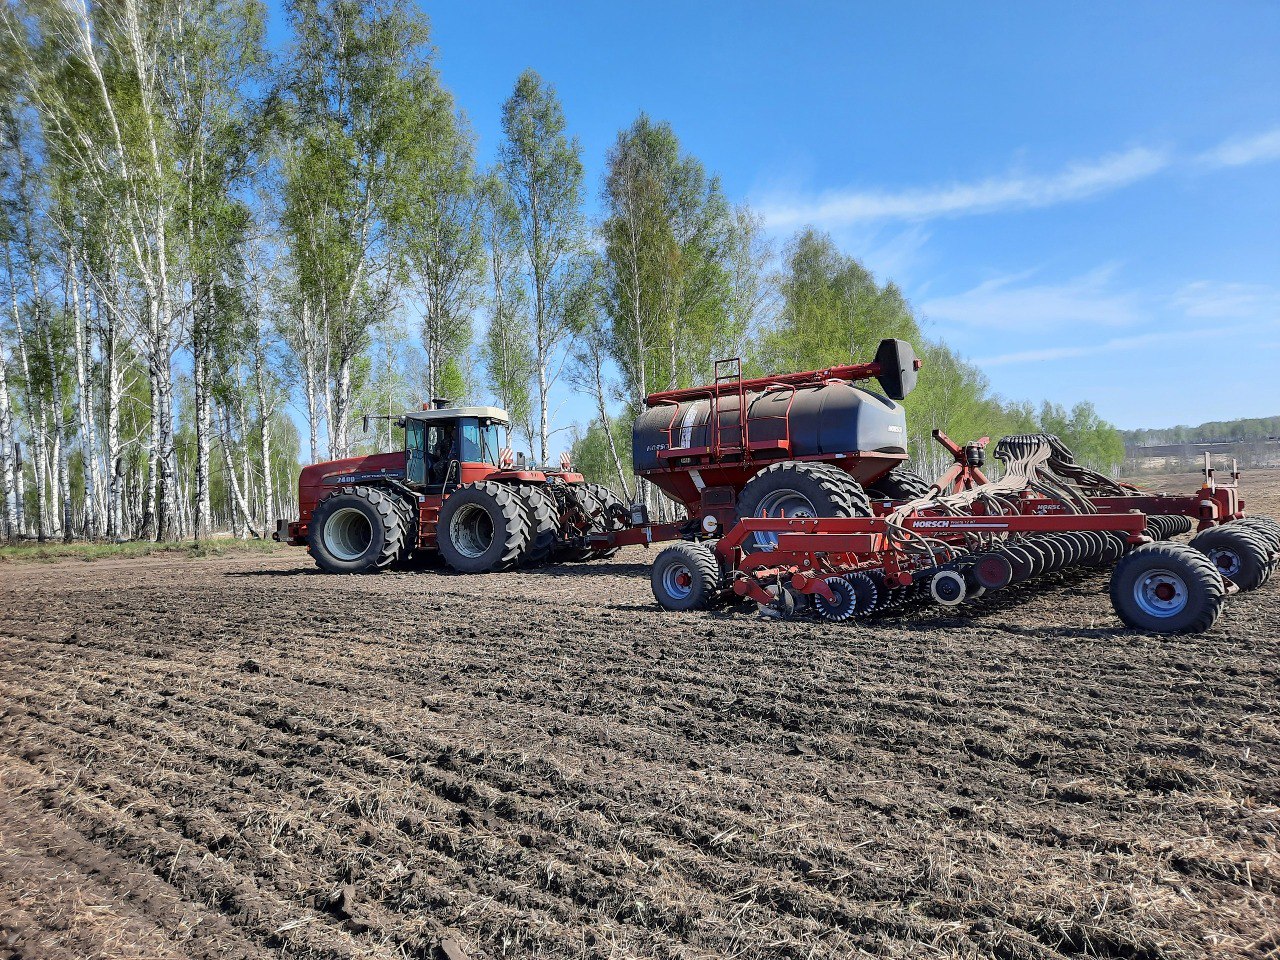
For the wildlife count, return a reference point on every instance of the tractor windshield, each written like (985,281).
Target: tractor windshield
(480,442)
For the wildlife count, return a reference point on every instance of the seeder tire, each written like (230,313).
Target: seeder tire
(1265,527)
(483,527)
(1240,555)
(358,530)
(686,576)
(798,489)
(899,484)
(1167,588)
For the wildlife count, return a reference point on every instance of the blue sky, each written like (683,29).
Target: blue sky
(1084,199)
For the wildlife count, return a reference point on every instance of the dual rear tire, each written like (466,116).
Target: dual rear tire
(360,530)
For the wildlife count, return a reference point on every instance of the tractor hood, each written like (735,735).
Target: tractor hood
(334,473)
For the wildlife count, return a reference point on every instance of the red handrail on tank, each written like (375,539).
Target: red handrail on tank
(855,371)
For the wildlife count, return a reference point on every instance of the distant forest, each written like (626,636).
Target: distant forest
(1215,431)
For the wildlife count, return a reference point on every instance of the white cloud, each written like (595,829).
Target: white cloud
(1241,151)
(1159,338)
(1007,303)
(1011,191)
(1211,299)
(787,208)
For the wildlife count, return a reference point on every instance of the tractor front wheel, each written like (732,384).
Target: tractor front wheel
(358,530)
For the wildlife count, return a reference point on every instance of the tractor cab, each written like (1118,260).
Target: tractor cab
(446,447)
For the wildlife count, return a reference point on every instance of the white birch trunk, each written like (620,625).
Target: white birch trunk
(240,508)
(8,454)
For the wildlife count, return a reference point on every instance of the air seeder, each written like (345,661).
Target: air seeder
(797,498)
(803,506)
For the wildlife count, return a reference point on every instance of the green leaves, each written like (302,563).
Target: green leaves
(670,241)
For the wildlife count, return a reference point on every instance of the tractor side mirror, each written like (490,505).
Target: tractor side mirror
(898,365)
(365,421)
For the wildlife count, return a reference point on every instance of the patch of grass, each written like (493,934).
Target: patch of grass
(51,551)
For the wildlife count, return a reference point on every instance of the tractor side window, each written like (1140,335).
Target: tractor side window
(492,440)
(415,468)
(472,449)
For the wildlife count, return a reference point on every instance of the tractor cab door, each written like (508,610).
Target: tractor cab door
(415,452)
(431,454)
(441,456)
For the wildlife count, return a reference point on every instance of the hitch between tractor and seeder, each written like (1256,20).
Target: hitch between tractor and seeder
(969,536)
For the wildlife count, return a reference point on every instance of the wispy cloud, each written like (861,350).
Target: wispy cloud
(1242,151)
(997,193)
(1011,191)
(1113,345)
(1010,303)
(1091,306)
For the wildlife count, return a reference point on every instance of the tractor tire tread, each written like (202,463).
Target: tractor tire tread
(515,531)
(389,506)
(900,484)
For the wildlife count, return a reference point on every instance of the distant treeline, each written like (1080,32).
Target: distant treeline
(1215,431)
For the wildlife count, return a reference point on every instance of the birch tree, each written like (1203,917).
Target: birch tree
(444,252)
(507,348)
(542,170)
(360,82)
(670,242)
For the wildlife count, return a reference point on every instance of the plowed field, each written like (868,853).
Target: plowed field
(239,757)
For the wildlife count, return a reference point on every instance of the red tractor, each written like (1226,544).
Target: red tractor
(451,491)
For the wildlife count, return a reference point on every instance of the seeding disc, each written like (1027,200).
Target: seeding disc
(1055,556)
(1039,561)
(994,571)
(1020,561)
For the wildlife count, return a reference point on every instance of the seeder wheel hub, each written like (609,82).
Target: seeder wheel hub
(788,505)
(678,581)
(1226,561)
(1161,593)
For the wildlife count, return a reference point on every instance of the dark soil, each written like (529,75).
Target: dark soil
(239,757)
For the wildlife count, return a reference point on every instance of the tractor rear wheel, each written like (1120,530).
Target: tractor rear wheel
(1167,588)
(483,527)
(686,576)
(358,530)
(794,489)
(543,515)
(1240,555)
(899,484)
